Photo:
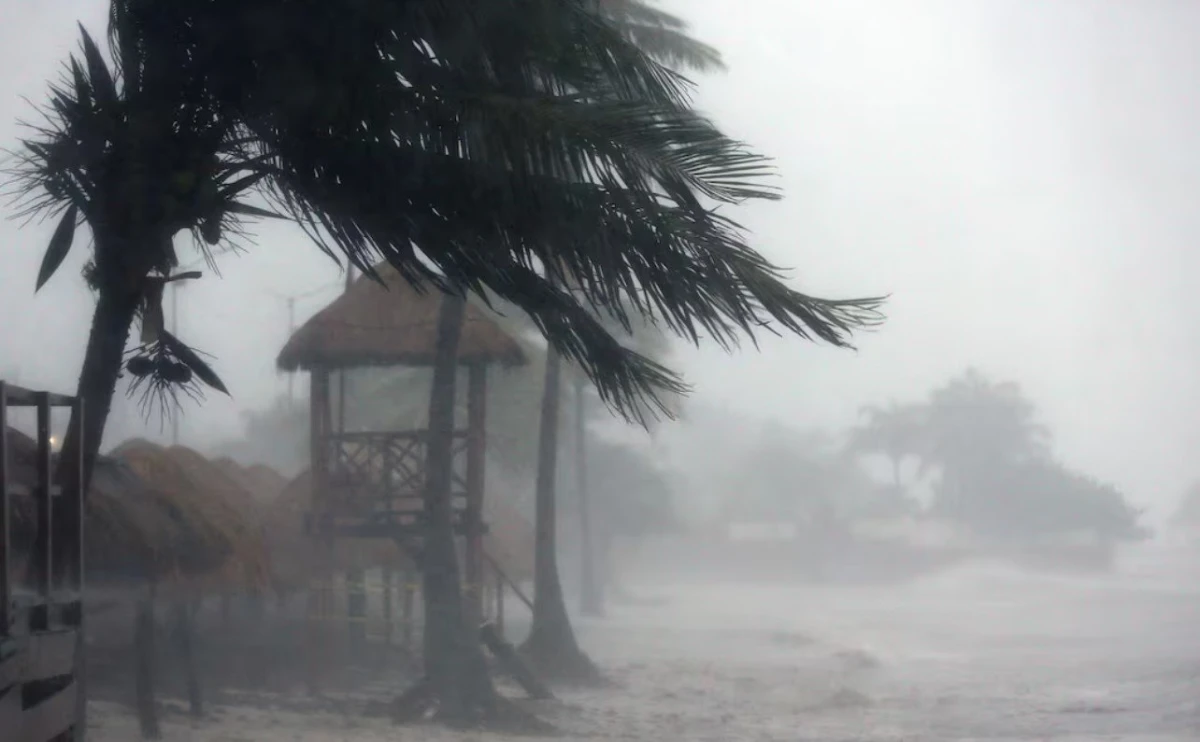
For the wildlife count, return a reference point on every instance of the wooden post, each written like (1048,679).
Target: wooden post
(6,590)
(499,600)
(73,554)
(388,577)
(43,496)
(185,645)
(75,557)
(143,639)
(318,603)
(476,456)
(407,606)
(356,612)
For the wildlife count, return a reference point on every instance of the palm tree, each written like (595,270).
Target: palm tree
(552,644)
(465,143)
(895,431)
(449,144)
(976,430)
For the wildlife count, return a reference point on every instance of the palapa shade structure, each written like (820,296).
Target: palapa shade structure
(391,325)
(509,541)
(295,561)
(198,486)
(377,477)
(133,532)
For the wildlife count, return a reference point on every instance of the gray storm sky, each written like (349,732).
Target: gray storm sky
(1020,175)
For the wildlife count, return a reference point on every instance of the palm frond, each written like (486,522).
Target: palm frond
(503,153)
(662,35)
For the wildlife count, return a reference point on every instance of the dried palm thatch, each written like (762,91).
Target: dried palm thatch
(391,325)
(132,531)
(199,488)
(261,481)
(294,556)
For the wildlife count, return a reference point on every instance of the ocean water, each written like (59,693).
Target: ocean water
(982,652)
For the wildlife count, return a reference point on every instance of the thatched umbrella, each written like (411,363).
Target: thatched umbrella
(137,533)
(198,487)
(261,481)
(133,531)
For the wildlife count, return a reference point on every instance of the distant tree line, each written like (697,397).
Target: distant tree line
(975,448)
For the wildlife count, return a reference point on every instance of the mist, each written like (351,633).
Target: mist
(994,491)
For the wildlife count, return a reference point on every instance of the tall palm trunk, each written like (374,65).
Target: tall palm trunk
(551,645)
(590,587)
(455,668)
(102,360)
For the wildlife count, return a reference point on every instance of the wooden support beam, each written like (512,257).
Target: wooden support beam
(43,560)
(6,588)
(512,663)
(473,516)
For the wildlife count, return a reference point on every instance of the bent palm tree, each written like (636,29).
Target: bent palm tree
(465,143)
(552,644)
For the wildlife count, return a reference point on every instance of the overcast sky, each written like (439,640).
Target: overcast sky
(1019,175)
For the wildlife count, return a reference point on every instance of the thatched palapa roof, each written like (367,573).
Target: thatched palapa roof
(261,481)
(370,325)
(132,531)
(197,485)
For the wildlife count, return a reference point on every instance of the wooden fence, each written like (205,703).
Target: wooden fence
(41,611)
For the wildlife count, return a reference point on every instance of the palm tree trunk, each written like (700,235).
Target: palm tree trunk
(551,645)
(144,657)
(185,635)
(455,669)
(102,361)
(590,587)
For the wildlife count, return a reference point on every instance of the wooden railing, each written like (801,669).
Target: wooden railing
(500,583)
(41,629)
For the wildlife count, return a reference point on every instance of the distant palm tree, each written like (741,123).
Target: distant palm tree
(895,431)
(976,428)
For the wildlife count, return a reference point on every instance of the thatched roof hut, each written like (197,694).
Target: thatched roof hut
(196,485)
(132,530)
(391,325)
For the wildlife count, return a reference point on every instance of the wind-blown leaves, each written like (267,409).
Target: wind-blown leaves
(192,360)
(461,145)
(60,246)
(661,34)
